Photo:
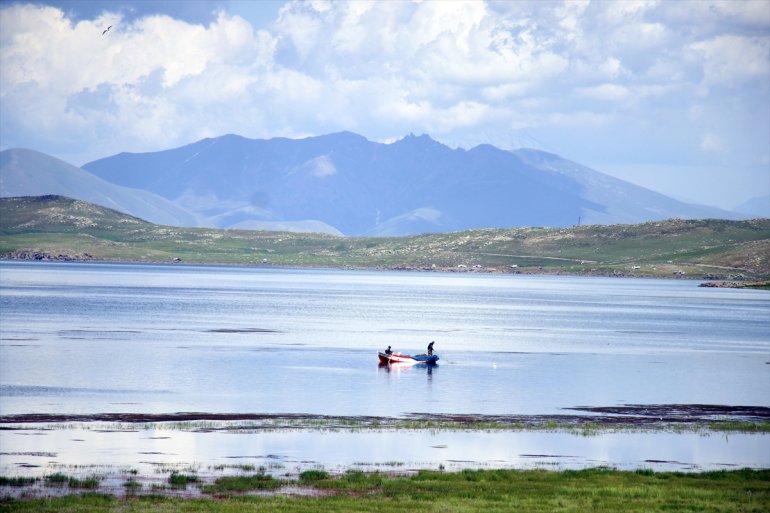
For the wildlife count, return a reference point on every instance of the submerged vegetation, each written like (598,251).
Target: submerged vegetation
(649,418)
(597,490)
(56,228)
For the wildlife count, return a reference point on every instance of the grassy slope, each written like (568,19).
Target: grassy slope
(597,490)
(60,226)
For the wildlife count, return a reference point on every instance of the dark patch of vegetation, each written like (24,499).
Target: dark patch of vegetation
(650,417)
(182,480)
(17,481)
(239,484)
(90,483)
(313,475)
(132,485)
(59,479)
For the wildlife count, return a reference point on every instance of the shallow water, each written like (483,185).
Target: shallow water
(91,338)
(281,452)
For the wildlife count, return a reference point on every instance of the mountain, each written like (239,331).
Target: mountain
(358,187)
(621,202)
(31,173)
(755,207)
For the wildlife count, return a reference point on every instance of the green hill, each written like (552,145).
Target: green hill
(54,227)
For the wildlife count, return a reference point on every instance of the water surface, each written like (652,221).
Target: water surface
(96,338)
(82,338)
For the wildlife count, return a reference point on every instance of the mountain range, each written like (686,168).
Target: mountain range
(344,184)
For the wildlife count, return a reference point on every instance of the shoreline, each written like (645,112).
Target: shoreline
(157,468)
(654,417)
(708,279)
(177,490)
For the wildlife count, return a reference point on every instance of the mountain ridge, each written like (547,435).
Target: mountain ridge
(360,187)
(344,184)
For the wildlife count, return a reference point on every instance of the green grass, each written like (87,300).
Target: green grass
(132,485)
(489,491)
(313,475)
(182,480)
(237,484)
(59,479)
(17,481)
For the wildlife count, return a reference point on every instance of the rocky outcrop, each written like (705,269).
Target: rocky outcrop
(34,254)
(737,284)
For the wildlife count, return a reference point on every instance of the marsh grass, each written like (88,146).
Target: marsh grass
(17,481)
(60,479)
(245,467)
(228,485)
(353,425)
(599,490)
(132,485)
(313,475)
(179,480)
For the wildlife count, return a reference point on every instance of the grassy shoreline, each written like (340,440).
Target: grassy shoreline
(489,491)
(59,229)
(587,421)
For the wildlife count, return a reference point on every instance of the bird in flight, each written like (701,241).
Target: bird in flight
(107,30)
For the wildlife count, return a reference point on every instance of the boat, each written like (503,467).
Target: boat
(405,358)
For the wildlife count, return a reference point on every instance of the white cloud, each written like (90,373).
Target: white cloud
(712,144)
(620,12)
(460,71)
(606,92)
(707,18)
(731,59)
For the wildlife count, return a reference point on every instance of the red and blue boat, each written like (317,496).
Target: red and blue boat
(386,358)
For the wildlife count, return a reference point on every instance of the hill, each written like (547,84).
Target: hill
(350,185)
(755,207)
(54,227)
(31,173)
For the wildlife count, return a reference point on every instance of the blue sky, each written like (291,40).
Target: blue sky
(673,95)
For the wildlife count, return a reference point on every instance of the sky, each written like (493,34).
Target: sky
(671,95)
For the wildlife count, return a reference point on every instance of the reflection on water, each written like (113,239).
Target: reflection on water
(91,338)
(40,452)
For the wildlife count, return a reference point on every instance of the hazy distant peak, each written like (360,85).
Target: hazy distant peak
(418,139)
(344,137)
(25,172)
(228,137)
(413,185)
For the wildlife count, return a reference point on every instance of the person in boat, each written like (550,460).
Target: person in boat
(388,351)
(430,348)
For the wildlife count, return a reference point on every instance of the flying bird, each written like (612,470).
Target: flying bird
(107,30)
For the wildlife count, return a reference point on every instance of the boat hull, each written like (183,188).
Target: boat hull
(405,358)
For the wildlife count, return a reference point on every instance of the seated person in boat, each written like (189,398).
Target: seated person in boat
(388,351)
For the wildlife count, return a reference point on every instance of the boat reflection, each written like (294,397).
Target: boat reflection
(398,368)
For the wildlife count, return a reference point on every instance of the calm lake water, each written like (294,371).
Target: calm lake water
(92,338)
(85,338)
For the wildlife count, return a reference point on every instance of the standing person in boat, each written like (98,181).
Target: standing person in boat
(388,351)
(430,348)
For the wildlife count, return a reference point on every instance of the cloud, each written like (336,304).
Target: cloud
(633,78)
(606,92)
(712,144)
(732,59)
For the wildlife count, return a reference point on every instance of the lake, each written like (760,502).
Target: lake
(97,338)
